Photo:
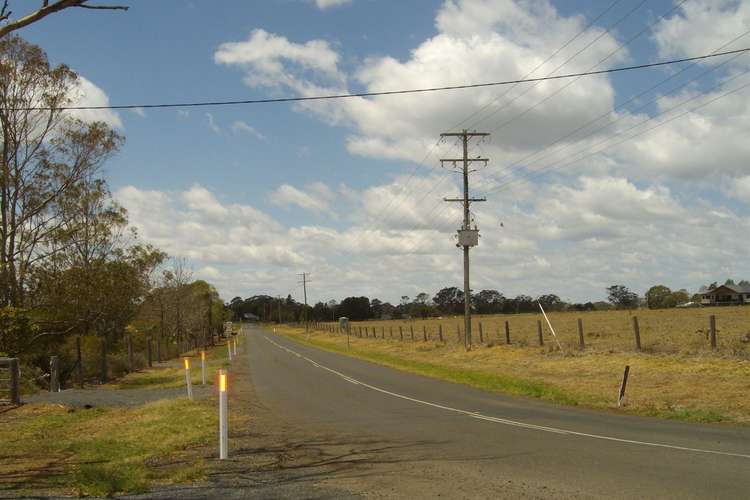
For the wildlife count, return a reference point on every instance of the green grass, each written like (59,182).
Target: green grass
(103,451)
(172,374)
(475,378)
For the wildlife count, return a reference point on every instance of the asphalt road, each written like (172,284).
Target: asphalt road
(428,438)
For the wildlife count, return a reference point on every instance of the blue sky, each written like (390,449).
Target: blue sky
(329,189)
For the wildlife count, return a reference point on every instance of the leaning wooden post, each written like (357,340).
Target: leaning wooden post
(623,385)
(79,361)
(130,352)
(440,332)
(424,332)
(104,361)
(712,326)
(54,374)
(637,332)
(15,382)
(149,358)
(581,343)
(481,334)
(507,332)
(539,331)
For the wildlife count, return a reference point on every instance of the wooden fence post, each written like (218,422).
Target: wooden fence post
(712,325)
(382,332)
(481,334)
(458,332)
(623,385)
(15,382)
(79,361)
(539,331)
(507,332)
(130,353)
(424,332)
(637,332)
(54,374)
(401,332)
(581,342)
(440,332)
(104,361)
(411,329)
(390,328)
(148,352)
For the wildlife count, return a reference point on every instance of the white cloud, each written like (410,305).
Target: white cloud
(317,198)
(86,93)
(740,189)
(139,111)
(183,113)
(212,124)
(241,127)
(701,26)
(325,4)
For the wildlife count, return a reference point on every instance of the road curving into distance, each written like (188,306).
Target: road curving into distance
(445,439)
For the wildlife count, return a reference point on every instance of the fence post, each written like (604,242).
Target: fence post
(539,331)
(54,374)
(130,353)
(458,332)
(104,361)
(411,328)
(581,342)
(15,393)
(79,361)
(148,352)
(637,332)
(481,334)
(401,332)
(507,332)
(391,331)
(424,332)
(623,385)
(382,332)
(440,332)
(712,324)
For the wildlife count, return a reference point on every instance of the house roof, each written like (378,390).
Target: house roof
(733,288)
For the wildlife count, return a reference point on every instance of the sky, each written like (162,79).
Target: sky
(637,178)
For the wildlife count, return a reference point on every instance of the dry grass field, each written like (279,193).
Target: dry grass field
(675,375)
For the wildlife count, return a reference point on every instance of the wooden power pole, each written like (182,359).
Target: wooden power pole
(304,291)
(467,237)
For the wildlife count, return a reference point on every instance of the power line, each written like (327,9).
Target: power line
(382,93)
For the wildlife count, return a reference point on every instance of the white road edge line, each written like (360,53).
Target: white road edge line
(504,420)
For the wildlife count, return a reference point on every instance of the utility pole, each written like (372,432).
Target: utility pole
(304,291)
(467,237)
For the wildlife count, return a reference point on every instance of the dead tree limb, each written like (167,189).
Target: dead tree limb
(45,11)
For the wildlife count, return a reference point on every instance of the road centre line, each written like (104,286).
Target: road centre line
(505,421)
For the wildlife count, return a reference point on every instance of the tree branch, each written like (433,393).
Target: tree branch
(46,10)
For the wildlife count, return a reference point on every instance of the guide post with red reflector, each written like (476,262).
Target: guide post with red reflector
(188,382)
(203,367)
(223,416)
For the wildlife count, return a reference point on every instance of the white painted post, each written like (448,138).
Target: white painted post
(223,416)
(234,346)
(203,367)
(188,382)
(229,349)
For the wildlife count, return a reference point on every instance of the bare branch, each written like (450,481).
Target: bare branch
(4,12)
(46,10)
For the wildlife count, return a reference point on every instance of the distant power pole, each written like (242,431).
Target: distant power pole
(304,291)
(467,237)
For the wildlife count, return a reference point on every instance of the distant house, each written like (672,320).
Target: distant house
(726,295)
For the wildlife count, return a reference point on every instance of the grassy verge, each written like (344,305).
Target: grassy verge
(107,450)
(172,373)
(103,451)
(699,389)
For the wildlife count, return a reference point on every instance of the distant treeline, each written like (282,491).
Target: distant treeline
(447,301)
